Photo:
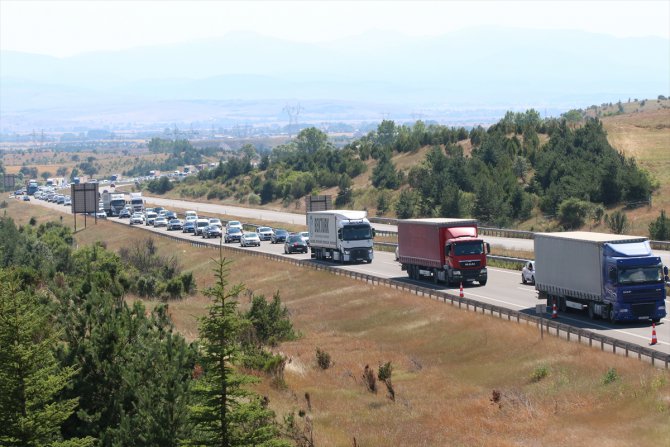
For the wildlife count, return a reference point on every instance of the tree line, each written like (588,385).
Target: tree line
(81,366)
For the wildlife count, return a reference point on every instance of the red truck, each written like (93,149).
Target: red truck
(447,250)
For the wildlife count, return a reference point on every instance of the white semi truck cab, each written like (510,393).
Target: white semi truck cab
(340,235)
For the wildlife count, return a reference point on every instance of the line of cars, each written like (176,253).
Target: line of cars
(209,228)
(51,196)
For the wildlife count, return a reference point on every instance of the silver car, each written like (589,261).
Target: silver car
(528,273)
(250,240)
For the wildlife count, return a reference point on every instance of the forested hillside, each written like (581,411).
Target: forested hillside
(80,366)
(562,169)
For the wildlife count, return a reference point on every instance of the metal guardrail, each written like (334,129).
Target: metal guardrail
(499,232)
(561,330)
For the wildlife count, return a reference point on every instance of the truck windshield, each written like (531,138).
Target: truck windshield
(117,203)
(469,248)
(637,275)
(136,201)
(356,232)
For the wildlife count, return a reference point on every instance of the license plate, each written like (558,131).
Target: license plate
(643,318)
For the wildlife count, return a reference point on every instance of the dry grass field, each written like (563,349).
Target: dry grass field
(460,379)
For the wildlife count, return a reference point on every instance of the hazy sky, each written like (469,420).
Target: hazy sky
(64,28)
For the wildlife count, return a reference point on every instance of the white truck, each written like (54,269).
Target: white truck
(136,202)
(340,235)
(614,277)
(113,203)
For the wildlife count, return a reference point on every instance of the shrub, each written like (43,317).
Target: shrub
(174,288)
(660,228)
(323,359)
(4,204)
(573,212)
(188,281)
(539,373)
(617,222)
(385,372)
(254,199)
(610,376)
(369,379)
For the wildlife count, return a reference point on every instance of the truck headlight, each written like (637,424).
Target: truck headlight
(623,311)
(661,307)
(482,272)
(346,251)
(457,273)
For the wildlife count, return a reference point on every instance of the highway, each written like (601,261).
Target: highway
(299,219)
(504,287)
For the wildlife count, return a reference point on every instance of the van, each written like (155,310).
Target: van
(200,225)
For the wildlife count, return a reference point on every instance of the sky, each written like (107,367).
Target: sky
(65,28)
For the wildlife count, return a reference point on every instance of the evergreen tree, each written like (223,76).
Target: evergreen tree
(406,205)
(30,377)
(345,192)
(660,228)
(225,413)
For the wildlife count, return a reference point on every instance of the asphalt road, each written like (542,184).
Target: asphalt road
(504,287)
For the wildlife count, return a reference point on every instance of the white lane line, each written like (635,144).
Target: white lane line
(509,272)
(493,299)
(617,330)
(527,289)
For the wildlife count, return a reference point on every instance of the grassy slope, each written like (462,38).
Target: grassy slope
(645,135)
(446,364)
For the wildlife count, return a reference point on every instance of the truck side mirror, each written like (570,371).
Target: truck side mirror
(665,270)
(374,233)
(339,234)
(447,249)
(488,248)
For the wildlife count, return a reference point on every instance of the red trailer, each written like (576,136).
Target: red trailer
(448,250)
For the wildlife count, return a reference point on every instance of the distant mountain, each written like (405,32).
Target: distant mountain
(477,68)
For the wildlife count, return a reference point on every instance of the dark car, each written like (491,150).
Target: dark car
(278,235)
(189,227)
(211,231)
(170,215)
(295,244)
(233,234)
(124,213)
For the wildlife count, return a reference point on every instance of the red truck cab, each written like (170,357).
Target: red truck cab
(448,250)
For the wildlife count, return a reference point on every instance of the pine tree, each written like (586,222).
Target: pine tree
(226,414)
(30,376)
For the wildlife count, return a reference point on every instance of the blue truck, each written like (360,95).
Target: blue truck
(614,277)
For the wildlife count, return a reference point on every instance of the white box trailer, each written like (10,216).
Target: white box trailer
(340,235)
(613,276)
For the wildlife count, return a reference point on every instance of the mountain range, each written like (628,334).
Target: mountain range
(463,77)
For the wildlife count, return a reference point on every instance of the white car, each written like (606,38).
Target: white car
(234,224)
(528,273)
(265,233)
(305,236)
(137,219)
(190,218)
(215,221)
(160,222)
(250,239)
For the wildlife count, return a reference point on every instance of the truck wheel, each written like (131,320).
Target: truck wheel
(612,315)
(562,307)
(483,282)
(592,313)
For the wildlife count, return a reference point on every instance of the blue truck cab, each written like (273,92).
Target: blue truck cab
(633,282)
